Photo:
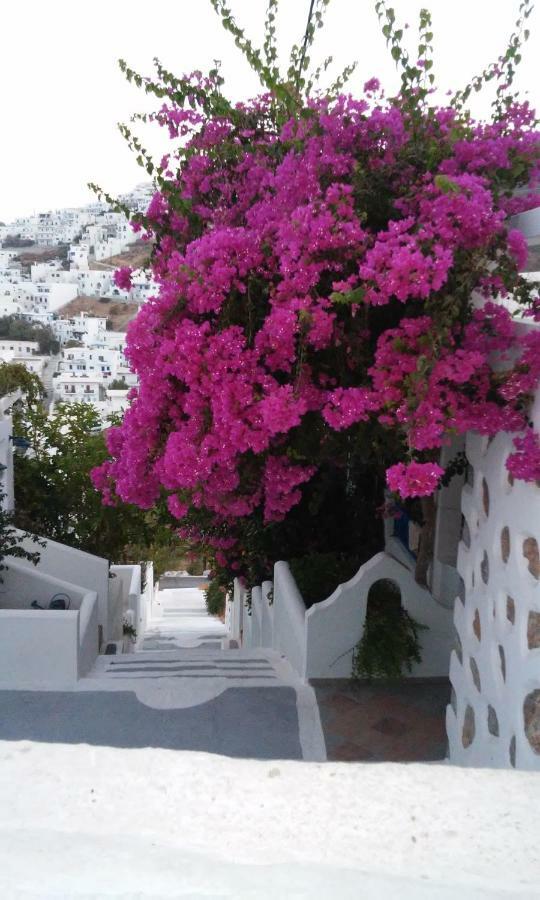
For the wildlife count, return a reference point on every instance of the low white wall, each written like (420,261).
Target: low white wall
(115,608)
(42,647)
(129,580)
(247,631)
(38,648)
(289,633)
(334,627)
(320,642)
(256,617)
(78,567)
(147,598)
(236,611)
(267,614)
(88,633)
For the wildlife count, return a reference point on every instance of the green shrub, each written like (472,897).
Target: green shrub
(317,575)
(390,642)
(215,596)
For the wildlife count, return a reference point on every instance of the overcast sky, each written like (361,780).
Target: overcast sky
(62,92)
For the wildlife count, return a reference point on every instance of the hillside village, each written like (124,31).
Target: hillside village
(56,272)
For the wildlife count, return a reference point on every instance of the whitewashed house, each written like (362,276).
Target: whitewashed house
(70,387)
(89,361)
(82,327)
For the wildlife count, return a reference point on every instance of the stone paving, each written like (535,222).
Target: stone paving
(402,721)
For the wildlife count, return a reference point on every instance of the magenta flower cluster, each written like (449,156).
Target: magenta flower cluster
(316,276)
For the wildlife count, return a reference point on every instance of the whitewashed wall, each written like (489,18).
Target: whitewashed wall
(132,601)
(44,648)
(494,718)
(289,618)
(78,567)
(319,642)
(335,626)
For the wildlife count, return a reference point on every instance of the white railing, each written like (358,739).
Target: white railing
(131,602)
(87,633)
(335,626)
(320,642)
(289,630)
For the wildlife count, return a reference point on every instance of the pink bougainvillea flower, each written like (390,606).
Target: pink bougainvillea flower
(414,479)
(122,278)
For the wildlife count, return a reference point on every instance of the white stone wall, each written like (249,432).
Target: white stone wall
(494,718)
(319,642)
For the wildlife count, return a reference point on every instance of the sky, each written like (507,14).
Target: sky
(62,93)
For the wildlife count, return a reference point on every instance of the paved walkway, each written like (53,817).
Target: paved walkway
(400,721)
(182,688)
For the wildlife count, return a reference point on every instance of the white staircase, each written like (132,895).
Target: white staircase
(186,687)
(186,653)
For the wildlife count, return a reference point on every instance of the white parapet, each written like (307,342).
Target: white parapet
(335,626)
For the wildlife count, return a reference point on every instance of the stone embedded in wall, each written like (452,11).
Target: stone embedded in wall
(512,751)
(493,722)
(505,543)
(499,620)
(533,630)
(503,661)
(475,673)
(530,552)
(531,719)
(511,609)
(457,646)
(484,568)
(468,732)
(453,701)
(465,532)
(485,496)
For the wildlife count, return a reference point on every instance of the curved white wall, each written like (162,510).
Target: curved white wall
(335,626)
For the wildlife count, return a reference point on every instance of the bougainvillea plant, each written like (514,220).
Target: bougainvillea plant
(332,272)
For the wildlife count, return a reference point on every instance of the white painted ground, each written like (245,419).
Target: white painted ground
(154,673)
(81,822)
(182,616)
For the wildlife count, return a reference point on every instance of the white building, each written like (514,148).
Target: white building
(86,361)
(82,327)
(71,388)
(9,348)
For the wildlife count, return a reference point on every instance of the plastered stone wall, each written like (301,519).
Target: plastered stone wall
(494,716)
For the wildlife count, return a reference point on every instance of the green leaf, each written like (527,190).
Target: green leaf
(446,185)
(355,296)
